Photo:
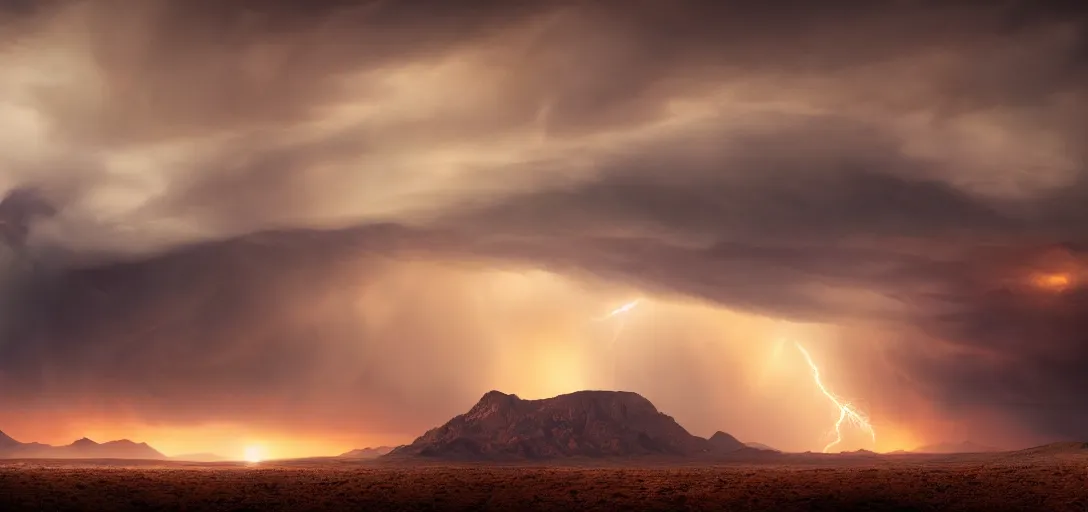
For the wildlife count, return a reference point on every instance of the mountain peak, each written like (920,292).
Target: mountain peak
(583,423)
(491,404)
(722,435)
(497,398)
(725,442)
(495,395)
(83,441)
(123,442)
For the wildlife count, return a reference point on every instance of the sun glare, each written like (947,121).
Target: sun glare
(254,454)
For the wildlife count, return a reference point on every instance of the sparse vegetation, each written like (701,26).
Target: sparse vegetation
(1053,484)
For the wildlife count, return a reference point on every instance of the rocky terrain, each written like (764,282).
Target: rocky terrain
(943,483)
(580,424)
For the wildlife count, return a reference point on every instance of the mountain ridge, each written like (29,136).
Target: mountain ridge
(592,424)
(82,448)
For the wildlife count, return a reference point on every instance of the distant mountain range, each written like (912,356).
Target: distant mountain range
(81,449)
(581,424)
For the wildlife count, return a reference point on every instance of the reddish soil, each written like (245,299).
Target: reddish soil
(1041,484)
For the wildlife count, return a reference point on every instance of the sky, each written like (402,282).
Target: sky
(318,226)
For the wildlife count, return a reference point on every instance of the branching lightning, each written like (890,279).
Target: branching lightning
(847,411)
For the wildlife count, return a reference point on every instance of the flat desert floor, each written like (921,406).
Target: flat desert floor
(984,484)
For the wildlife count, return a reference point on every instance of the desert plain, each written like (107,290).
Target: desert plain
(1054,480)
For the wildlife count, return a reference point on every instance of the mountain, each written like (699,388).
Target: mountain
(6,442)
(123,449)
(81,449)
(367,453)
(961,447)
(722,442)
(580,424)
(761,446)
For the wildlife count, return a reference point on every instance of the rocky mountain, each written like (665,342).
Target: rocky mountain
(722,442)
(961,447)
(367,453)
(81,449)
(580,424)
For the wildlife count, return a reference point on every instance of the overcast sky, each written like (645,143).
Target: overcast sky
(330,224)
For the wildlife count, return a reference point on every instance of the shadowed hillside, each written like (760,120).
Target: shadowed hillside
(581,424)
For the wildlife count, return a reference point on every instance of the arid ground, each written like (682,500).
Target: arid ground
(885,483)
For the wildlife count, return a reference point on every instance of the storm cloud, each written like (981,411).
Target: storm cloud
(260,211)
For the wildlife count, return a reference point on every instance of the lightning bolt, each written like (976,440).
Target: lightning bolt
(618,312)
(847,411)
(621,310)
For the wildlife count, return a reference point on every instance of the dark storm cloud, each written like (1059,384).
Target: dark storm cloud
(607,65)
(172,69)
(18,209)
(790,213)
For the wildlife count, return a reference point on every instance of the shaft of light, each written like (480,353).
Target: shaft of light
(847,412)
(619,330)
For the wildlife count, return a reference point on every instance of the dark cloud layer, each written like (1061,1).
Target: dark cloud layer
(18,209)
(914,166)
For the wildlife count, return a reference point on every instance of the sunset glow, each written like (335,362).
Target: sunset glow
(254,454)
(1053,282)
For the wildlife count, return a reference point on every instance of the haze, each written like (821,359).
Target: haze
(325,225)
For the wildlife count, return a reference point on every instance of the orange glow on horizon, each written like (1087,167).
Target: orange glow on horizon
(895,438)
(1053,282)
(254,454)
(229,441)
